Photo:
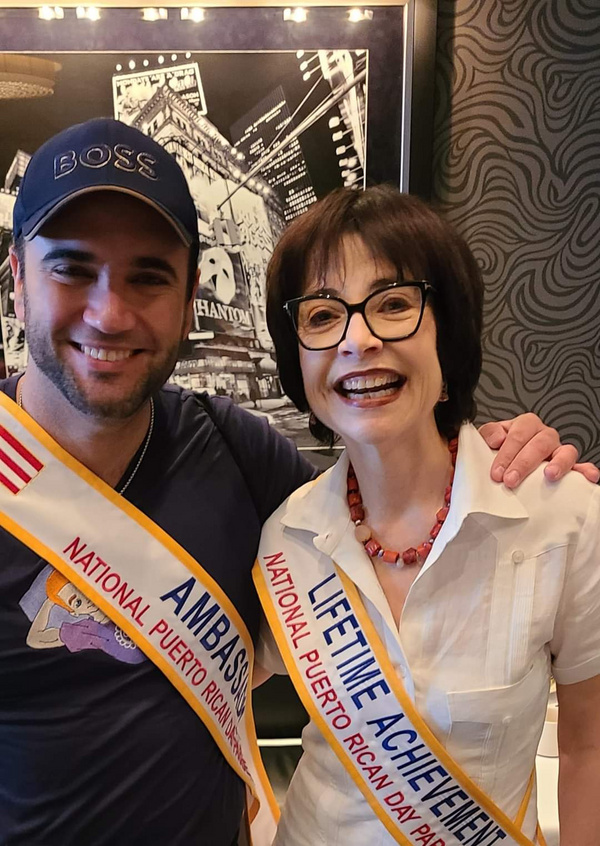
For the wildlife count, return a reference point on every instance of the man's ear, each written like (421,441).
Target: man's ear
(19,278)
(189,309)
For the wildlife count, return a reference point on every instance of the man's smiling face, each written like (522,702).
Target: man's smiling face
(103,297)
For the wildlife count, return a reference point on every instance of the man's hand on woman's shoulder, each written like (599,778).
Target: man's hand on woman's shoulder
(523,443)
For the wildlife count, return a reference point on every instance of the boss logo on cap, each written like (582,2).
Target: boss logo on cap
(100,155)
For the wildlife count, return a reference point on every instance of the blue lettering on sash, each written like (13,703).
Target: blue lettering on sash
(456,818)
(355,676)
(359,671)
(312,594)
(198,615)
(204,612)
(224,653)
(180,594)
(363,679)
(213,636)
(340,628)
(425,775)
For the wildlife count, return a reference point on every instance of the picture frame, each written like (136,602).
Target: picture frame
(239,48)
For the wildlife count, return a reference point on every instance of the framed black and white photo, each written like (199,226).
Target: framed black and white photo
(266,108)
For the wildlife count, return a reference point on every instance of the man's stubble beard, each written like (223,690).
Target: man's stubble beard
(43,353)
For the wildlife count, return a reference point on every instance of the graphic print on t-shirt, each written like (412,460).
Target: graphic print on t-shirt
(61,615)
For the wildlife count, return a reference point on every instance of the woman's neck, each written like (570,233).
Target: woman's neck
(402,485)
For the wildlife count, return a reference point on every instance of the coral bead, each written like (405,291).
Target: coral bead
(364,534)
(390,557)
(357,512)
(423,550)
(372,547)
(409,556)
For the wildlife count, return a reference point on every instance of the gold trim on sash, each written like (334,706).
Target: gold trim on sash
(174,551)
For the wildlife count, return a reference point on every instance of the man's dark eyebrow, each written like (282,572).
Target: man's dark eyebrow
(141,263)
(155,263)
(72,255)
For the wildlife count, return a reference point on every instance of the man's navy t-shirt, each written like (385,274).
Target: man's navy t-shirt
(96,746)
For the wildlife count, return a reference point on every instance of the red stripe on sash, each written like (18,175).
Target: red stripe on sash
(23,451)
(8,484)
(16,468)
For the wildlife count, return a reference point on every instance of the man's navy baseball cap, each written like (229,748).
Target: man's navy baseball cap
(99,155)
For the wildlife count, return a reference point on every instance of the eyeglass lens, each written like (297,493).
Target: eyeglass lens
(391,313)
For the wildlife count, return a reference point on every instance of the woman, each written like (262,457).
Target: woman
(419,607)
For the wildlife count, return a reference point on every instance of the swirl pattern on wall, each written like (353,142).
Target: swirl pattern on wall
(517,170)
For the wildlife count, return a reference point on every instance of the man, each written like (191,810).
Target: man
(98,749)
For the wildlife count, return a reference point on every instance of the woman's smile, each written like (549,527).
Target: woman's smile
(364,387)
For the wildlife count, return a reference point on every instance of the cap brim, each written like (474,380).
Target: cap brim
(36,221)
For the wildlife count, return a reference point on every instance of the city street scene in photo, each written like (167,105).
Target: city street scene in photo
(260,136)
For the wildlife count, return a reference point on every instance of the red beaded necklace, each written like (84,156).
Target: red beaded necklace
(365,535)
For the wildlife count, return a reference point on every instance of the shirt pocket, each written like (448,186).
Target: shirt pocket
(496,728)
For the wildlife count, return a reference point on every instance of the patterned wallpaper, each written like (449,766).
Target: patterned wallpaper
(517,170)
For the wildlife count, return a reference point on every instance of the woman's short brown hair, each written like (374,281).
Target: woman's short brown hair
(406,232)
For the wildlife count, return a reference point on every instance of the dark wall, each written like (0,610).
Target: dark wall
(517,170)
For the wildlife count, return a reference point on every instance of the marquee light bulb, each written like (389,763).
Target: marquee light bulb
(90,13)
(193,13)
(357,15)
(51,13)
(296,15)
(154,14)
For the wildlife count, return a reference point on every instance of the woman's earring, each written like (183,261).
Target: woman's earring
(444,392)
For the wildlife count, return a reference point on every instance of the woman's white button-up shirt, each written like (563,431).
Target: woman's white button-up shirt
(509,593)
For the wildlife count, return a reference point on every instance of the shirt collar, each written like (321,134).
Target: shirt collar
(321,509)
(320,506)
(473,491)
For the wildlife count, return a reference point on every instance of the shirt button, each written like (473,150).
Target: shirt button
(518,556)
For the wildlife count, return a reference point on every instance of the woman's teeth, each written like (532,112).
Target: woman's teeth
(381,385)
(378,392)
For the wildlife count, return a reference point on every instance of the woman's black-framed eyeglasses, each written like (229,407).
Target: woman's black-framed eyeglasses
(392,313)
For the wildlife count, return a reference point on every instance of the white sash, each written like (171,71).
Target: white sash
(348,685)
(146,583)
